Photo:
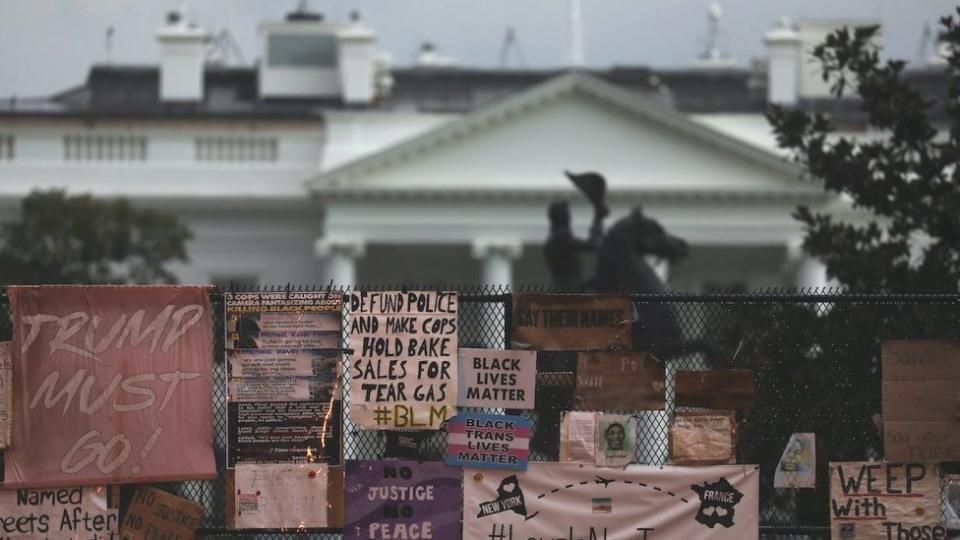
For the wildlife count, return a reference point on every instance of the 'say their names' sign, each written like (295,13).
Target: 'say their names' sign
(401,499)
(488,440)
(491,378)
(885,500)
(562,322)
(403,369)
(111,385)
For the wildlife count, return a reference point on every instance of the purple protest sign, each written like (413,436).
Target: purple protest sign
(401,499)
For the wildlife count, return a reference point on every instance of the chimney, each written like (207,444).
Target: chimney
(357,62)
(300,57)
(182,53)
(783,69)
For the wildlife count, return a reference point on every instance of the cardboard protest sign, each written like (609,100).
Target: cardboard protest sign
(273,496)
(488,440)
(283,398)
(154,513)
(6,395)
(112,384)
(726,389)
(920,392)
(58,514)
(570,500)
(494,379)
(283,432)
(401,499)
(616,439)
(403,371)
(564,322)
(703,439)
(578,436)
(798,464)
(885,500)
(619,381)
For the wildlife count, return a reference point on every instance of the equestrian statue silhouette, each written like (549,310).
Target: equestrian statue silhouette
(621,268)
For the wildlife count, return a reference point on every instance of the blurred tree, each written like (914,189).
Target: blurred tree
(61,238)
(817,365)
(908,179)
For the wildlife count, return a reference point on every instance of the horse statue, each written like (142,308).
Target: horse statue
(621,268)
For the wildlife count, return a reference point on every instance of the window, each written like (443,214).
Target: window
(7,146)
(96,147)
(303,50)
(247,149)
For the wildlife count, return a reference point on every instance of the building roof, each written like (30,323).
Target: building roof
(349,179)
(132,91)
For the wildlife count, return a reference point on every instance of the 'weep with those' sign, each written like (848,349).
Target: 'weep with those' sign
(885,500)
(497,379)
(571,322)
(403,370)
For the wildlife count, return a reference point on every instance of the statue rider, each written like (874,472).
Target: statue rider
(562,250)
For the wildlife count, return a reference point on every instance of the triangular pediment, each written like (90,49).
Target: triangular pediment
(573,122)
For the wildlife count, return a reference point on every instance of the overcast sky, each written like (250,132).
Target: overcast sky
(49,45)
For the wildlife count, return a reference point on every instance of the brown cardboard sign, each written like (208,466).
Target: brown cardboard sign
(619,381)
(565,322)
(157,514)
(871,500)
(921,400)
(703,439)
(921,361)
(727,389)
(926,441)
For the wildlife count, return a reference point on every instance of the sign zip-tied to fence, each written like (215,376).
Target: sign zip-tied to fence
(112,385)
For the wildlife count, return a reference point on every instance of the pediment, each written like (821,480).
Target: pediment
(574,122)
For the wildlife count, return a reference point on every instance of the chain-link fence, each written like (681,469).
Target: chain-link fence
(816,365)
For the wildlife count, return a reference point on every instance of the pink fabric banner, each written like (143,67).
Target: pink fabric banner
(112,385)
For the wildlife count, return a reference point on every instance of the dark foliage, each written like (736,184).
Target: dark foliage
(61,238)
(905,182)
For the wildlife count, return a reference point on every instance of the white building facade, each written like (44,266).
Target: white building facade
(321,164)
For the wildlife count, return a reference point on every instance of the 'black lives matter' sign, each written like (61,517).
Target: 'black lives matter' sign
(554,322)
(403,368)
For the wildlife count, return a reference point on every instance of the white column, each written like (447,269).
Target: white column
(341,255)
(807,272)
(497,256)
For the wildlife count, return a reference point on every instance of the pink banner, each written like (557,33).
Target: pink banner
(112,385)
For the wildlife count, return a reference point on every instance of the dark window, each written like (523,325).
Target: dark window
(303,50)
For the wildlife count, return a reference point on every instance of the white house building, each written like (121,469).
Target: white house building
(321,163)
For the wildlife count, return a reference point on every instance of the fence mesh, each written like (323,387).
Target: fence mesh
(816,365)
